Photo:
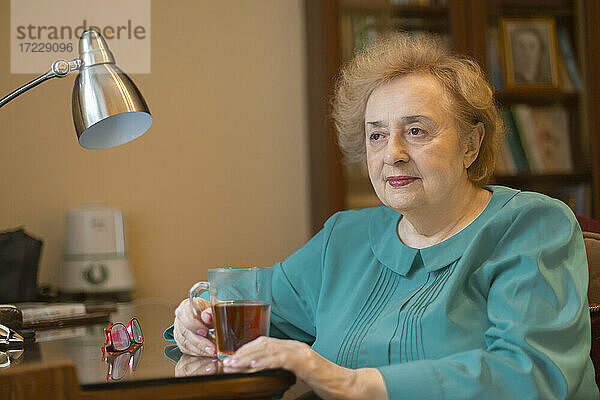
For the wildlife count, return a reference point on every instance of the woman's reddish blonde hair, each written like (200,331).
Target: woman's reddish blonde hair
(400,54)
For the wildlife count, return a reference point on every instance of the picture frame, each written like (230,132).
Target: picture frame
(530,53)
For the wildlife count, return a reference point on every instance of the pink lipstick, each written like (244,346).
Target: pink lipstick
(398,181)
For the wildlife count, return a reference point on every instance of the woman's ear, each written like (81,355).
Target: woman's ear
(473,144)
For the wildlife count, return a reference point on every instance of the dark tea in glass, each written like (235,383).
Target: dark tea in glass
(240,298)
(239,322)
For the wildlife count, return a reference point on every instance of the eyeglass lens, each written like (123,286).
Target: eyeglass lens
(136,331)
(120,337)
(136,358)
(120,364)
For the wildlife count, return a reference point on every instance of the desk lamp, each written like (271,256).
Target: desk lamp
(108,109)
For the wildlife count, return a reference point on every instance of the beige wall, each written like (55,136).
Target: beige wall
(221,178)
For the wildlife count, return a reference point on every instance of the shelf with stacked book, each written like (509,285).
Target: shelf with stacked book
(532,62)
(540,140)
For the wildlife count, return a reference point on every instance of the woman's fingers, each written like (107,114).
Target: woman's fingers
(191,343)
(190,333)
(243,357)
(207,317)
(186,316)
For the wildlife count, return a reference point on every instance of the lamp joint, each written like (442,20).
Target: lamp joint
(61,68)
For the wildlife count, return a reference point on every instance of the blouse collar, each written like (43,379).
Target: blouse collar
(390,251)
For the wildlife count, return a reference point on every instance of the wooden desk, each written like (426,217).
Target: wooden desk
(149,374)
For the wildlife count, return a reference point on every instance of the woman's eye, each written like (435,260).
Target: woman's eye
(375,136)
(416,131)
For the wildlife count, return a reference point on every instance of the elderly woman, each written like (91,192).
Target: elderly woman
(452,289)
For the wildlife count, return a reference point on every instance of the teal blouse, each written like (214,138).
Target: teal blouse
(497,311)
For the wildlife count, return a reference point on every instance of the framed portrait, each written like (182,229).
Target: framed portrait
(530,53)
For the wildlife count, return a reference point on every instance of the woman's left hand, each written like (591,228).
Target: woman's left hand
(326,379)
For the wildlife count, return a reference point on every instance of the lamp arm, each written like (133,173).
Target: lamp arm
(59,69)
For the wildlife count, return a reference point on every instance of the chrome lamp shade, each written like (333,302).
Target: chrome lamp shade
(108,109)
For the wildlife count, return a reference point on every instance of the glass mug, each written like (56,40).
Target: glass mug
(240,298)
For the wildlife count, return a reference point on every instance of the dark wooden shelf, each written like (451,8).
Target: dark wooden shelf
(405,10)
(532,8)
(439,26)
(537,96)
(543,179)
(420,11)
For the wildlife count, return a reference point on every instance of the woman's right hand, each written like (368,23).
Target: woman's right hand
(190,332)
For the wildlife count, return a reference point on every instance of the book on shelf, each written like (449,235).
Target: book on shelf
(554,141)
(357,32)
(565,82)
(514,144)
(494,57)
(544,133)
(364,29)
(525,127)
(566,50)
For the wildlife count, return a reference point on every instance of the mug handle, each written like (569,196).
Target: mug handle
(195,291)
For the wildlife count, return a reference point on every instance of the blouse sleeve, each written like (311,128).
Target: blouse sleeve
(296,287)
(538,342)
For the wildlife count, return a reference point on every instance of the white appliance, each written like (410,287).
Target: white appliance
(95,259)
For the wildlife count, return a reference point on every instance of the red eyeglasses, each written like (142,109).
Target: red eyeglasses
(120,337)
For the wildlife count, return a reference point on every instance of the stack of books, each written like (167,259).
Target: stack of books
(536,141)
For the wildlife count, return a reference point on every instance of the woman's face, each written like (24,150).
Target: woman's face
(414,154)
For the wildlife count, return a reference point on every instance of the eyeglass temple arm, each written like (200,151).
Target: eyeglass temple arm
(59,69)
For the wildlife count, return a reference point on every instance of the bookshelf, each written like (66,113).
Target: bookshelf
(549,106)
(571,178)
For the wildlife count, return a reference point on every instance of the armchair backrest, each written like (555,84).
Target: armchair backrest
(592,248)
(591,237)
